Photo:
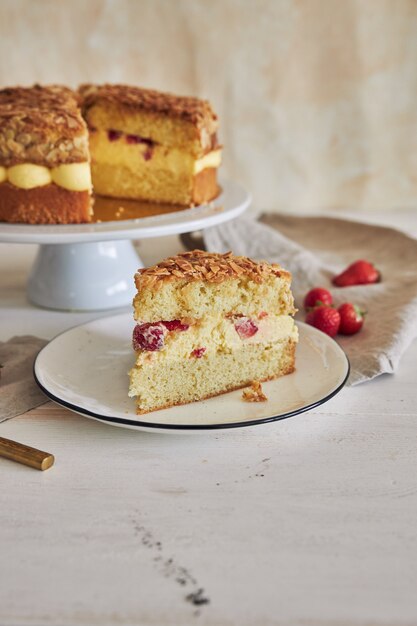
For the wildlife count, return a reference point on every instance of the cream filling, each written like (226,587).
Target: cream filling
(28,176)
(219,334)
(71,176)
(211,159)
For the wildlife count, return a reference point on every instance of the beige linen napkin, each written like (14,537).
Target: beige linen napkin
(18,390)
(316,248)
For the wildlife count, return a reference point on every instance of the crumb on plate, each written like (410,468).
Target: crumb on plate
(254,393)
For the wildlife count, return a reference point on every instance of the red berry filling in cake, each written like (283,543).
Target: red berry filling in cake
(245,327)
(115,135)
(148,337)
(132,139)
(198,353)
(175,325)
(151,335)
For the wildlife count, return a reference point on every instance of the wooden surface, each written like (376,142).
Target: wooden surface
(311,521)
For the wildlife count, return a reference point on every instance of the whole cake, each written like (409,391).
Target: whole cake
(44,158)
(208,323)
(151,145)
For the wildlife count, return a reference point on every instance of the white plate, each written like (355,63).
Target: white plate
(85,369)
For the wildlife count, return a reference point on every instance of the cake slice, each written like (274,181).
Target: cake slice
(208,323)
(44,160)
(150,145)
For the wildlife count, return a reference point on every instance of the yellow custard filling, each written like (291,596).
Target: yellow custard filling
(211,159)
(28,176)
(71,176)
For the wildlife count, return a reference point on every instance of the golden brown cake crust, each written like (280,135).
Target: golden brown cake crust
(49,204)
(205,186)
(194,110)
(208,266)
(41,125)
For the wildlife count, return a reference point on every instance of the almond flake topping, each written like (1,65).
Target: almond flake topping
(210,266)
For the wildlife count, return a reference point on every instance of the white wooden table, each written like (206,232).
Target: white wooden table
(308,521)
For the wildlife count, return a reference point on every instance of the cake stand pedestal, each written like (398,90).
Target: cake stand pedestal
(85,267)
(83,276)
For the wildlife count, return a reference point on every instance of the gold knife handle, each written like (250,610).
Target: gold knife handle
(25,454)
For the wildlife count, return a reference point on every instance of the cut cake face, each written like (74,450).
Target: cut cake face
(44,158)
(151,145)
(209,323)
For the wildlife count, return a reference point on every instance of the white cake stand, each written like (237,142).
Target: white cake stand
(86,267)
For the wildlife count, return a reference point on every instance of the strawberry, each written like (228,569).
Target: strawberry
(351,318)
(325,319)
(175,325)
(198,352)
(148,336)
(316,297)
(358,273)
(245,327)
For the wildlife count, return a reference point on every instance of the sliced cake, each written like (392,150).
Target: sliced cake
(209,323)
(44,159)
(150,145)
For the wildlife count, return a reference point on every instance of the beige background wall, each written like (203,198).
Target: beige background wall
(317,98)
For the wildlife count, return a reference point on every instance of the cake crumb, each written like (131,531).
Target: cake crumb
(254,393)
